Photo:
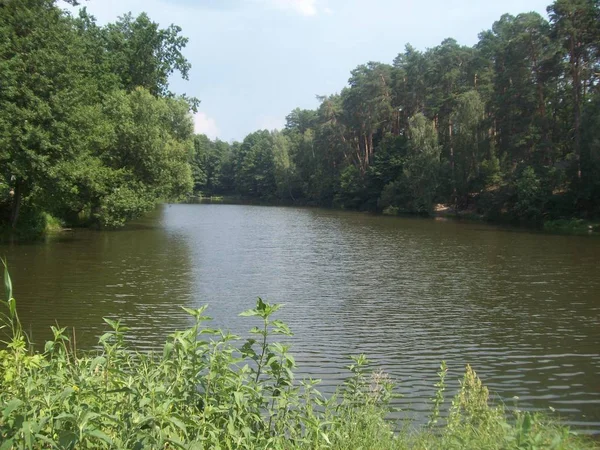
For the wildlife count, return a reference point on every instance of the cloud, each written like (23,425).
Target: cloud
(302,7)
(203,124)
(270,123)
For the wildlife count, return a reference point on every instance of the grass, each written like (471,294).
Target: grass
(209,389)
(52,224)
(572,226)
(32,226)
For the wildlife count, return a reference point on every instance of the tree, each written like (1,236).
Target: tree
(575,24)
(421,168)
(73,141)
(367,105)
(143,55)
(44,97)
(285,170)
(526,72)
(447,78)
(410,88)
(255,176)
(467,119)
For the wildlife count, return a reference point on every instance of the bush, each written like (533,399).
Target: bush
(530,200)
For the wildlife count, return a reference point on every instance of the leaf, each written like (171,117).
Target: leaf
(190,311)
(105,337)
(8,289)
(67,439)
(239,398)
(98,360)
(26,429)
(100,435)
(112,323)
(68,417)
(120,390)
(10,407)
(210,331)
(291,360)
(178,423)
(168,349)
(176,443)
(47,440)
(272,360)
(12,307)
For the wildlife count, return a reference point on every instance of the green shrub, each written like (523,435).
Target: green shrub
(530,200)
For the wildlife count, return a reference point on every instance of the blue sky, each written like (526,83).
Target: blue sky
(253,61)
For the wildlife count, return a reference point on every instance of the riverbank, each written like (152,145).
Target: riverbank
(210,389)
(569,226)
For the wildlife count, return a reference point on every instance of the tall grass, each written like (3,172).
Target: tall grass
(209,389)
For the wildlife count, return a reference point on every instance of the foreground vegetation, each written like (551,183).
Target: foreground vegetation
(210,389)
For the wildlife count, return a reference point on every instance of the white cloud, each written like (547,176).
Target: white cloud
(203,124)
(303,7)
(328,11)
(270,123)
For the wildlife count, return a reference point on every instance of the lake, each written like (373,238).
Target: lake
(522,308)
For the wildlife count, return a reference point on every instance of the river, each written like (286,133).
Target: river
(522,308)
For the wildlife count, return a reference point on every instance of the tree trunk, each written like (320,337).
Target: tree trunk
(16,204)
(452,165)
(541,102)
(575,63)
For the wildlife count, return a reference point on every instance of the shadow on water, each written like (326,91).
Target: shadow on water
(140,275)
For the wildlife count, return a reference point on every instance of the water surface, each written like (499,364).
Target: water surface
(522,308)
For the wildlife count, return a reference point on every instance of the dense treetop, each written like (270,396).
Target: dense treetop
(88,127)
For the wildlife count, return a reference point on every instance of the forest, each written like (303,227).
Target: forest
(508,129)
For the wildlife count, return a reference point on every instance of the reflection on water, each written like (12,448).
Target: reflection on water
(522,308)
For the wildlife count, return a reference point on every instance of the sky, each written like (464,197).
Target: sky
(254,61)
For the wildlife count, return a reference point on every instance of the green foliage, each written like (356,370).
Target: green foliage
(86,119)
(490,172)
(211,389)
(572,226)
(421,168)
(530,197)
(255,166)
(350,193)
(143,55)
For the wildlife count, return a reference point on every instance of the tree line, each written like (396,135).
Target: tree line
(508,128)
(89,130)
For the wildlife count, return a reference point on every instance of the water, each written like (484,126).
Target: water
(522,308)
